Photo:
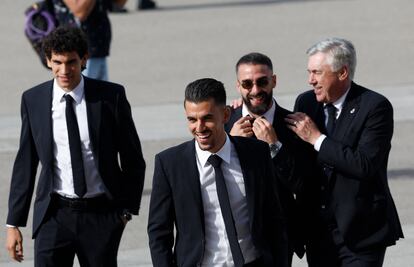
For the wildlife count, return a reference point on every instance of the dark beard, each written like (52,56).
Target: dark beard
(262,108)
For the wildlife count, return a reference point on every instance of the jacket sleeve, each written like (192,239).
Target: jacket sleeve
(24,173)
(130,155)
(161,218)
(362,159)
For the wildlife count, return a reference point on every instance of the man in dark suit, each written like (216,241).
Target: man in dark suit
(350,214)
(261,117)
(224,215)
(78,128)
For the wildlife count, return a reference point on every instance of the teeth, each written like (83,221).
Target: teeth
(203,136)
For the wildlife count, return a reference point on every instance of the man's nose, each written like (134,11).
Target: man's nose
(311,78)
(255,89)
(200,126)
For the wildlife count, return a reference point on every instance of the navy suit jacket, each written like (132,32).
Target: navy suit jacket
(112,134)
(357,194)
(176,201)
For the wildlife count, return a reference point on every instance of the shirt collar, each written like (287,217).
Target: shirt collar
(224,153)
(338,104)
(269,115)
(77,93)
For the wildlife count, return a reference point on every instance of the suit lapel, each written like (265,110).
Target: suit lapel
(44,110)
(93,109)
(248,176)
(319,116)
(192,176)
(279,123)
(277,119)
(349,110)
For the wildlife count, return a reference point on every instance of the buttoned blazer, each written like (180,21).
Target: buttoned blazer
(357,193)
(112,134)
(176,201)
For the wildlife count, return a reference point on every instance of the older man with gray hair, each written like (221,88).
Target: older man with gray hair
(347,205)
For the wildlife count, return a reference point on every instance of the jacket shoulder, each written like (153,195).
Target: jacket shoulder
(306,96)
(368,95)
(175,152)
(103,85)
(38,88)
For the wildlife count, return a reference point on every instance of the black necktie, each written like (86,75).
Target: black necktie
(330,126)
(223,197)
(79,182)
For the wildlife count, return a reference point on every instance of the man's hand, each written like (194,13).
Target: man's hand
(303,126)
(264,131)
(242,127)
(14,243)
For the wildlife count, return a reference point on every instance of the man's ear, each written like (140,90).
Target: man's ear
(343,73)
(227,113)
(238,86)
(83,60)
(48,62)
(274,80)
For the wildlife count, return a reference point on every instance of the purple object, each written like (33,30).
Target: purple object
(39,23)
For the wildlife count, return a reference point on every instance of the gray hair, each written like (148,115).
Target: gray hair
(341,53)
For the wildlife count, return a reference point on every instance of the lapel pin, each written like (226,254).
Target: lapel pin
(352,111)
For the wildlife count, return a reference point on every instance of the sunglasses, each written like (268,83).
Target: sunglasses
(261,82)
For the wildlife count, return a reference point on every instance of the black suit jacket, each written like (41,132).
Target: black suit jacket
(357,193)
(288,170)
(176,200)
(112,134)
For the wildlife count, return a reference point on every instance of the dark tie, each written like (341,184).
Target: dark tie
(330,126)
(79,182)
(223,197)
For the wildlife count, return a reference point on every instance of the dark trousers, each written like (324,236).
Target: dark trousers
(327,250)
(94,237)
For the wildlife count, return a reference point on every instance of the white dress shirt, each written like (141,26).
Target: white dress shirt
(63,177)
(217,251)
(338,104)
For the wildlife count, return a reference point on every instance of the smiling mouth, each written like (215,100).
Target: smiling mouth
(203,136)
(64,77)
(258,98)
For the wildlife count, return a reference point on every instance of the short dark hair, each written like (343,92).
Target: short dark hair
(205,89)
(255,58)
(65,39)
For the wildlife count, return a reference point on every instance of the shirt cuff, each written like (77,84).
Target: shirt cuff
(10,226)
(318,143)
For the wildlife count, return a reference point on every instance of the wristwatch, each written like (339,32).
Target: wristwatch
(275,148)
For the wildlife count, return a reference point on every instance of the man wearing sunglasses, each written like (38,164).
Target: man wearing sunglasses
(261,117)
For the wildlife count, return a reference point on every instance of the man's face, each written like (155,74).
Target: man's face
(206,123)
(66,68)
(255,84)
(327,84)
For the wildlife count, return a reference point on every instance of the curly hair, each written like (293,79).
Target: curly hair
(65,39)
